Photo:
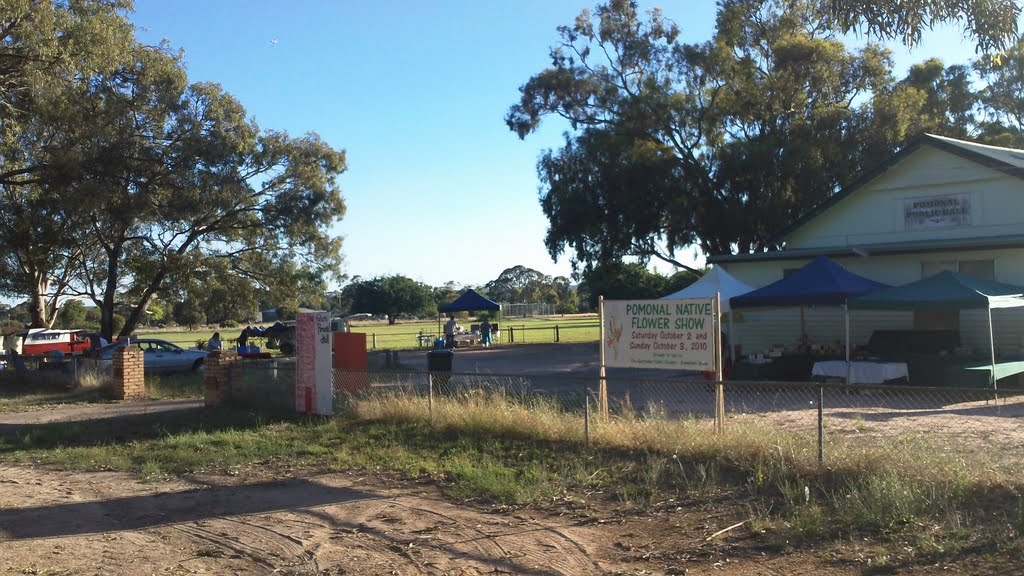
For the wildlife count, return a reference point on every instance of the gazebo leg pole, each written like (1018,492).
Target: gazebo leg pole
(732,342)
(992,349)
(846,315)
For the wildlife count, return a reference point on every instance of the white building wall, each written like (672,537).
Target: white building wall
(874,213)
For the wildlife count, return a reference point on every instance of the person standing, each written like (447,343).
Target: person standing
(450,328)
(485,333)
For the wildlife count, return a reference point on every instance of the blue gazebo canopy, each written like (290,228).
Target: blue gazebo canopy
(471,300)
(822,282)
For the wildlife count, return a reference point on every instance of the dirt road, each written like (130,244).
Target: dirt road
(110,523)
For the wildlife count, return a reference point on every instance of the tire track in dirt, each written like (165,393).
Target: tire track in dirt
(256,542)
(555,553)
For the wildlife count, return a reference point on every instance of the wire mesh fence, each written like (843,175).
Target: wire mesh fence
(981,426)
(263,383)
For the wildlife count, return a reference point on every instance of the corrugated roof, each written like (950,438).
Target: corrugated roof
(1009,156)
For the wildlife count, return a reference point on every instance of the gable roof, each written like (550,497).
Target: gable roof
(1007,160)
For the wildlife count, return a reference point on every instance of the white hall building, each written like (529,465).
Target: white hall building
(939,204)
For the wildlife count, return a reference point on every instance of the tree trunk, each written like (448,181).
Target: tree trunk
(109,291)
(140,309)
(38,310)
(391,319)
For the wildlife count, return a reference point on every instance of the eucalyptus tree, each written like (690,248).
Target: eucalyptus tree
(174,175)
(722,143)
(46,47)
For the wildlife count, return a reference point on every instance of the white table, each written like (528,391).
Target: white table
(469,338)
(862,371)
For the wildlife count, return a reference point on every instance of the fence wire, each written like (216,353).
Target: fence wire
(263,383)
(982,427)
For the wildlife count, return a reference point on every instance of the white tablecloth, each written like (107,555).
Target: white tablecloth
(862,372)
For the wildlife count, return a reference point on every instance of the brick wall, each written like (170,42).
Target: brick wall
(217,378)
(129,374)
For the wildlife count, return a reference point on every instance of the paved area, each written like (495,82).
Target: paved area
(577,360)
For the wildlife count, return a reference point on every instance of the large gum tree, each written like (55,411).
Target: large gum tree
(722,143)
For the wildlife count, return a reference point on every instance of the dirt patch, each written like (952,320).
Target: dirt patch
(105,523)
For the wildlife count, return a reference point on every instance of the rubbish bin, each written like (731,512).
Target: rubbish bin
(439,364)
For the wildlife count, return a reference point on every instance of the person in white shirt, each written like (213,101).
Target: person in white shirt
(451,327)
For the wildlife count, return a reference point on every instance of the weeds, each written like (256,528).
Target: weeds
(520,450)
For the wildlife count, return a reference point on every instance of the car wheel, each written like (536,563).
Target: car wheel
(198,366)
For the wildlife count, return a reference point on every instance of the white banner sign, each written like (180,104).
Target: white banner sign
(937,211)
(668,334)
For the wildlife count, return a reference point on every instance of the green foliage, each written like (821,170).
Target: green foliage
(188,313)
(172,179)
(287,312)
(73,314)
(391,295)
(624,281)
(446,293)
(992,24)
(723,144)
(521,284)
(118,323)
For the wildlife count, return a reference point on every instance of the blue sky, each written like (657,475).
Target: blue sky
(438,188)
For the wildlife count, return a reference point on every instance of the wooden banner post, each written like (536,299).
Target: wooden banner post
(719,385)
(602,394)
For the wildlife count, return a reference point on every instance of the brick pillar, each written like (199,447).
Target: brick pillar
(217,378)
(129,371)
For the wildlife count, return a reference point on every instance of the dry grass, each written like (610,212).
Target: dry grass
(876,487)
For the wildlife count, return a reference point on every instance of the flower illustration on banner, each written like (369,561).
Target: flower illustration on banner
(614,334)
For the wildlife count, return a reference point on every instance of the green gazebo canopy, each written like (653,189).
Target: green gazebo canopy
(945,290)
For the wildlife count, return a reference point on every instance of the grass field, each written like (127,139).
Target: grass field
(403,335)
(574,328)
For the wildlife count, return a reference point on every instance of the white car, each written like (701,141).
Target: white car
(158,356)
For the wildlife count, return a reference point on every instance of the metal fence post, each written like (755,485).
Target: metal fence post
(430,395)
(821,424)
(719,406)
(586,418)
(374,345)
(558,337)
(511,335)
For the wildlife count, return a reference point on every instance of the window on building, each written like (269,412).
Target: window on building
(933,268)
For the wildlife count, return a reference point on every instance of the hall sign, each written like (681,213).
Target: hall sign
(937,211)
(668,334)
